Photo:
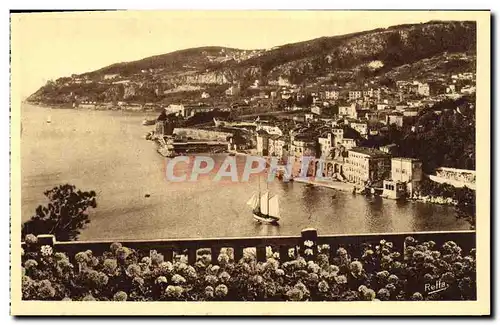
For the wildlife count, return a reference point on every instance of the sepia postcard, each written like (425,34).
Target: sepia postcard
(250,163)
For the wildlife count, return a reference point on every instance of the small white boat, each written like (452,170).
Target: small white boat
(49,119)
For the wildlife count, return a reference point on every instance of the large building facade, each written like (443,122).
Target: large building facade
(406,175)
(367,166)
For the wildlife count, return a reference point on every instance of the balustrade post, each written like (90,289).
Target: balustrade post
(215,251)
(168,255)
(43,240)
(191,255)
(238,253)
(284,256)
(333,250)
(309,244)
(261,253)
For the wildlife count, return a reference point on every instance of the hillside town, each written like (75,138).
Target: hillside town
(335,126)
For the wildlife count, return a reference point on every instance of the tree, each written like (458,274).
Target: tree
(466,206)
(64,216)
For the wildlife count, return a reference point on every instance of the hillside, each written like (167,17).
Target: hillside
(400,50)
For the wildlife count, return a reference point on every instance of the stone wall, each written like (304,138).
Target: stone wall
(200,134)
(455,177)
(452,182)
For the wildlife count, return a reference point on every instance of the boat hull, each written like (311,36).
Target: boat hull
(264,219)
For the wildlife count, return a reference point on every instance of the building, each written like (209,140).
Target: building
(301,146)
(283,82)
(164,127)
(367,166)
(331,94)
(372,93)
(262,143)
(191,110)
(390,148)
(270,129)
(309,117)
(349,111)
(382,106)
(338,136)
(406,175)
(316,110)
(187,111)
(348,143)
(421,89)
(455,177)
(410,112)
(111,76)
(355,94)
(450,89)
(205,95)
(177,109)
(395,118)
(361,127)
(233,90)
(277,146)
(326,143)
(468,90)
(371,117)
(406,169)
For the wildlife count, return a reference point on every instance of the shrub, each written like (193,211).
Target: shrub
(356,273)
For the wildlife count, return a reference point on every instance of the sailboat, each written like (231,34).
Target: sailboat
(265,208)
(49,119)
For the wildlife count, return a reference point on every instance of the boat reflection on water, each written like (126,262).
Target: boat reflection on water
(264,229)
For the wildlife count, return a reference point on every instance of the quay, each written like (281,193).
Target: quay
(341,186)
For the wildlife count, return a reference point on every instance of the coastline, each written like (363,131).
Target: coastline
(347,187)
(439,200)
(68,106)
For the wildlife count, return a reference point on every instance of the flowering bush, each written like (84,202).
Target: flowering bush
(364,272)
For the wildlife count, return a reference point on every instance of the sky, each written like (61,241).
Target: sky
(47,46)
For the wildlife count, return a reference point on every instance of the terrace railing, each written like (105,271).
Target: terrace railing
(308,240)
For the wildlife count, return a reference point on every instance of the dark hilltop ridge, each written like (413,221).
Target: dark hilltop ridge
(411,50)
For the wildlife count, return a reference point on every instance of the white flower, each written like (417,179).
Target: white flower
(178,279)
(276,255)
(308,243)
(46,250)
(308,251)
(161,279)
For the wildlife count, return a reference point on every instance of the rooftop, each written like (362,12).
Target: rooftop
(374,153)
(406,159)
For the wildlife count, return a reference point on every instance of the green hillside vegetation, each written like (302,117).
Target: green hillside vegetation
(444,135)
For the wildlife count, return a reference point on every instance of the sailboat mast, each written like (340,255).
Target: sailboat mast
(267,189)
(259,195)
